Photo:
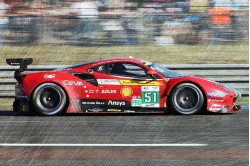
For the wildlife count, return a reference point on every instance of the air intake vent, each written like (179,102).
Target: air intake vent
(88,78)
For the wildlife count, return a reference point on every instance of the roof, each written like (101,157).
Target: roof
(111,60)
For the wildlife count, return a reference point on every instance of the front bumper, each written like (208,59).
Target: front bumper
(225,109)
(225,105)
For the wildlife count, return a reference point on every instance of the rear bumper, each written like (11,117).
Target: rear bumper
(21,104)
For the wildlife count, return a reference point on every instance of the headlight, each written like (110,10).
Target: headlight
(238,94)
(224,86)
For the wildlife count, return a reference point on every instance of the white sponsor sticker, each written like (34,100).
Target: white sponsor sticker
(116,103)
(150,105)
(91,91)
(150,88)
(217,94)
(108,81)
(49,76)
(74,83)
(217,105)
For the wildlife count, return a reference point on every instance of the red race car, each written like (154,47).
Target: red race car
(124,85)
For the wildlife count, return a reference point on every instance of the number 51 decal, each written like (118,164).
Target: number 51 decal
(150,96)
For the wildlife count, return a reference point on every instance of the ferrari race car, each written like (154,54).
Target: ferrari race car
(125,85)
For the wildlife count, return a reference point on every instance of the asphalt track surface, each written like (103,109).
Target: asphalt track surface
(225,139)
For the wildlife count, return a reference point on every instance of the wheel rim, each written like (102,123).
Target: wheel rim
(50,98)
(186,99)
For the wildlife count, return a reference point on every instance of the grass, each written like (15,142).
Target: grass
(176,54)
(6,104)
(243,101)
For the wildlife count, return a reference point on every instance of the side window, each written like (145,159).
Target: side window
(127,70)
(100,69)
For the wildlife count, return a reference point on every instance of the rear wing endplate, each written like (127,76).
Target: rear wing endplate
(22,62)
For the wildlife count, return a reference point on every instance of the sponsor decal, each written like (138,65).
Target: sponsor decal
(217,105)
(91,91)
(215,100)
(217,94)
(70,83)
(93,102)
(94,110)
(151,105)
(116,103)
(49,76)
(126,91)
(99,102)
(108,91)
(136,82)
(150,88)
(92,105)
(136,97)
(114,110)
(128,111)
(136,102)
(150,96)
(108,82)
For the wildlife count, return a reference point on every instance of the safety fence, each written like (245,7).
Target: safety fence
(233,75)
(163,25)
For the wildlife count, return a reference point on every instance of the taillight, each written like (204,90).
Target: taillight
(19,90)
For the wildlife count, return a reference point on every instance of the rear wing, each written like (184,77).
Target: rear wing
(22,62)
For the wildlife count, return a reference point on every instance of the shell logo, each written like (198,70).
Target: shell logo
(126,92)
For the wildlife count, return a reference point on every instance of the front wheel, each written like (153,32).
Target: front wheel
(186,99)
(49,99)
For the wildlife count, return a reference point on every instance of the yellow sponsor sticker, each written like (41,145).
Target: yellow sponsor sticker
(136,82)
(114,110)
(126,91)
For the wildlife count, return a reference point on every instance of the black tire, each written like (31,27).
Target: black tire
(186,99)
(49,99)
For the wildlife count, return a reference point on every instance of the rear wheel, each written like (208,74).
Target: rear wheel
(49,99)
(187,99)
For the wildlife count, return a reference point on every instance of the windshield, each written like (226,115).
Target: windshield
(164,71)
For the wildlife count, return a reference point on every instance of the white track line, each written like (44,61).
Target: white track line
(101,145)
